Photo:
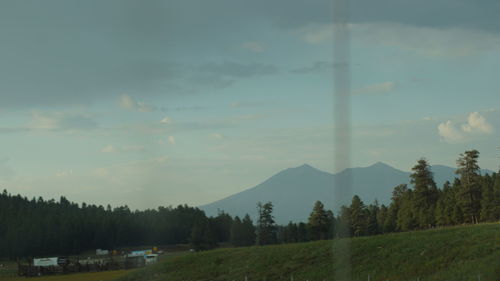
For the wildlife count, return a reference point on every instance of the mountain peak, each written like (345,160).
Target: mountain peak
(380,165)
(305,166)
(300,170)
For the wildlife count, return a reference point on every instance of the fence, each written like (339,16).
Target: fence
(31,270)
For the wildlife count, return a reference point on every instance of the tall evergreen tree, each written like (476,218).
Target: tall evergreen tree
(358,216)
(266,226)
(425,194)
(469,194)
(318,222)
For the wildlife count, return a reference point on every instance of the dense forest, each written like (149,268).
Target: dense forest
(39,227)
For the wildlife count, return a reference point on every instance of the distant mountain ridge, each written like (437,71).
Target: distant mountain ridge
(293,191)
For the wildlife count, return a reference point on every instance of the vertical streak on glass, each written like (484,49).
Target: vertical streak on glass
(342,131)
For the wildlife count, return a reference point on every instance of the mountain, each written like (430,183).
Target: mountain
(293,191)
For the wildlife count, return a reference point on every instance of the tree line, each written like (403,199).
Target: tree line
(471,198)
(39,227)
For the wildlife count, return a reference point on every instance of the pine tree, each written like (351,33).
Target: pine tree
(469,194)
(266,226)
(318,222)
(359,217)
(425,194)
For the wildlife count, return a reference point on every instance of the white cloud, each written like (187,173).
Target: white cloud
(449,133)
(476,125)
(253,46)
(166,120)
(129,103)
(375,89)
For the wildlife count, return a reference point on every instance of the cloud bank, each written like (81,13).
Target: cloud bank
(475,126)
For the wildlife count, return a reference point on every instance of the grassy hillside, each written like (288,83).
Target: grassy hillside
(458,253)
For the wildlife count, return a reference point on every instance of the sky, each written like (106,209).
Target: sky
(158,103)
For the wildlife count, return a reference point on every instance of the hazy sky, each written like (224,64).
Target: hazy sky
(151,103)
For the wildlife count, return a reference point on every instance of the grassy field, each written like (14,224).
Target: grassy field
(457,253)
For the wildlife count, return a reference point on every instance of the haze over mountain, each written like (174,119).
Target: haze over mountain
(293,191)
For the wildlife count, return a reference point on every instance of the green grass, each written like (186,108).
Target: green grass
(457,253)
